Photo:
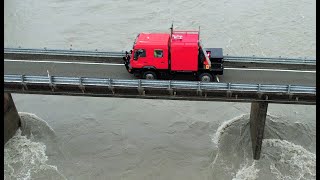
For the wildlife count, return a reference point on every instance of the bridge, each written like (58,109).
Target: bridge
(37,79)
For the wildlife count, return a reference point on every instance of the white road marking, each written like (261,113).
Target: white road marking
(279,70)
(115,64)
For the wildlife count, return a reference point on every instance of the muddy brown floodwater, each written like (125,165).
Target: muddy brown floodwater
(108,138)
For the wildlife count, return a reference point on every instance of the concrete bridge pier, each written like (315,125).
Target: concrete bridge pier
(11,118)
(258,116)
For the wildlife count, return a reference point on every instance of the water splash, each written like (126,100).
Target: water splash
(247,172)
(24,159)
(216,137)
(38,130)
(289,161)
(280,158)
(26,153)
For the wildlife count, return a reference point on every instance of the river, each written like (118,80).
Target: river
(65,137)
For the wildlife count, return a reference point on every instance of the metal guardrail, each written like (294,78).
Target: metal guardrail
(184,89)
(232,59)
(63,52)
(278,60)
(159,84)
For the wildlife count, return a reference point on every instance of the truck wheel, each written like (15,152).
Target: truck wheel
(149,75)
(205,77)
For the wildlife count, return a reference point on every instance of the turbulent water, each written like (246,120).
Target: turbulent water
(108,138)
(26,155)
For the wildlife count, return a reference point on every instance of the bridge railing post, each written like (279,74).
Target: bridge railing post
(257,124)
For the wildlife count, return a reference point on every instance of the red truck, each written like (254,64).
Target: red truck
(163,55)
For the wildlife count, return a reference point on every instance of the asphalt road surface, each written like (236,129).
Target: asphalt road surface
(118,71)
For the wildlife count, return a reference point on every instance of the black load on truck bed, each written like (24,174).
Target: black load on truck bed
(216,58)
(216,54)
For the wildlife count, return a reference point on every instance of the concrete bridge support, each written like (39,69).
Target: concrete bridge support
(11,118)
(257,123)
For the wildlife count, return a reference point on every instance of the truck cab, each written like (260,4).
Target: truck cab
(151,51)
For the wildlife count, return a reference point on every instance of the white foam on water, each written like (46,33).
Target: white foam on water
(222,166)
(221,129)
(24,159)
(288,160)
(38,130)
(280,159)
(33,125)
(247,172)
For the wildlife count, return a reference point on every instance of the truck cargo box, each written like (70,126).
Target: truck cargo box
(184,51)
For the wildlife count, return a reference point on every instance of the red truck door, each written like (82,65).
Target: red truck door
(150,57)
(160,58)
(139,58)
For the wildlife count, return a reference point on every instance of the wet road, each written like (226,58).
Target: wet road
(233,75)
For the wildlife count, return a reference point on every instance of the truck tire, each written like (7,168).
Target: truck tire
(205,77)
(149,75)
